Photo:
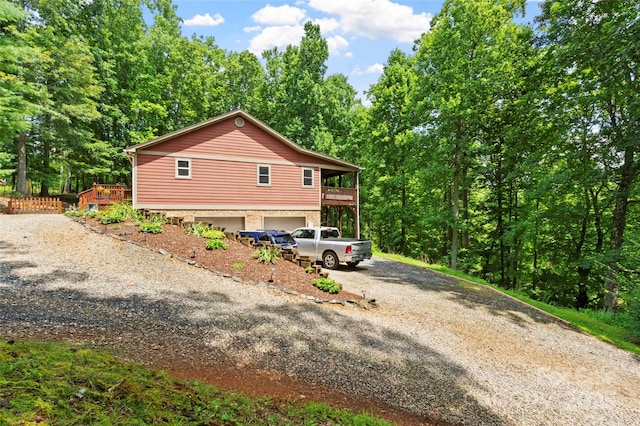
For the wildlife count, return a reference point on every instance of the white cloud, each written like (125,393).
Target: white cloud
(372,69)
(252,29)
(327,25)
(348,55)
(277,36)
(336,44)
(205,20)
(376,18)
(278,15)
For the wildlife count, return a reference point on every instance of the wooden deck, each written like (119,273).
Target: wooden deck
(103,195)
(339,197)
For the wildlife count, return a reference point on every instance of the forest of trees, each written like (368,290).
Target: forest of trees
(505,150)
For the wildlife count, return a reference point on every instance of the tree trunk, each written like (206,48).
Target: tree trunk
(456,208)
(21,185)
(628,175)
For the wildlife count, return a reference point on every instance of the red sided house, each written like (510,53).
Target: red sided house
(235,172)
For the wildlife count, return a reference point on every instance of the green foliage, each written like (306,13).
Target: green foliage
(328,285)
(76,213)
(268,254)
(119,212)
(238,265)
(61,384)
(198,229)
(633,303)
(151,228)
(216,245)
(159,219)
(214,234)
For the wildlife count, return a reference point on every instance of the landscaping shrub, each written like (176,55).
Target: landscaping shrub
(198,229)
(214,234)
(328,285)
(117,213)
(268,254)
(152,228)
(216,245)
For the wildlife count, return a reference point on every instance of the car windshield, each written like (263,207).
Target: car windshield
(284,239)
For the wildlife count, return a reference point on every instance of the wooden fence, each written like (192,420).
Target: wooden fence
(34,205)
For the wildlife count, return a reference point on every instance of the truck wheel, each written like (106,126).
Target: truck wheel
(330,260)
(352,264)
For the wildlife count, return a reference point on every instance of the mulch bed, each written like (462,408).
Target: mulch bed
(237,260)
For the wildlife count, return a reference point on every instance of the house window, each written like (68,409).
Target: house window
(264,175)
(307,178)
(183,168)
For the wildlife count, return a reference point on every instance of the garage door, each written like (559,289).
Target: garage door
(287,223)
(228,223)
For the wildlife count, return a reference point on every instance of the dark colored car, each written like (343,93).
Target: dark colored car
(282,238)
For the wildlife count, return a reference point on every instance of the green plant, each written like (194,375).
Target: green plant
(111,218)
(328,285)
(268,254)
(216,245)
(214,234)
(309,269)
(64,385)
(74,212)
(117,213)
(160,219)
(238,265)
(198,229)
(151,228)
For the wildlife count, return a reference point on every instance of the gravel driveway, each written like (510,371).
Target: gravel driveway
(435,346)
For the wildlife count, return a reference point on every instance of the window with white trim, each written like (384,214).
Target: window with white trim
(183,168)
(307,178)
(264,175)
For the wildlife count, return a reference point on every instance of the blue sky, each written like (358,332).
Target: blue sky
(360,33)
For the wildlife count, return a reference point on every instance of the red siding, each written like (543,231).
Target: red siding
(225,139)
(216,182)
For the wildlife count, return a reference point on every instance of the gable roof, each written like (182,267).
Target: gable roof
(248,117)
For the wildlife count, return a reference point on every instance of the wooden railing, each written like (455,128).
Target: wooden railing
(34,205)
(332,196)
(102,194)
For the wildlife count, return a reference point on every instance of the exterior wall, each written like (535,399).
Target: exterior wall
(224,161)
(253,219)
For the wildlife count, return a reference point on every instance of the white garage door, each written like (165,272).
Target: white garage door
(287,223)
(228,223)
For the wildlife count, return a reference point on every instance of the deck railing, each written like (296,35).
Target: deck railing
(332,196)
(103,194)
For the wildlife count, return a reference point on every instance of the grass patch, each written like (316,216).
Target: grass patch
(54,383)
(619,330)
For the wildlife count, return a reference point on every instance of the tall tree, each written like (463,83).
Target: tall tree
(456,61)
(293,90)
(69,87)
(18,97)
(393,154)
(600,41)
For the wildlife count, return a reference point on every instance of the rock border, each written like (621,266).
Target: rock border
(365,304)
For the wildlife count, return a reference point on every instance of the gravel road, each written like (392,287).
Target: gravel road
(435,346)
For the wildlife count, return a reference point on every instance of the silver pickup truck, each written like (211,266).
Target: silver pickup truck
(325,243)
